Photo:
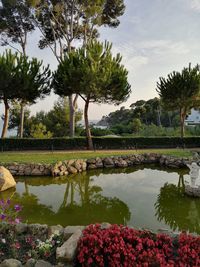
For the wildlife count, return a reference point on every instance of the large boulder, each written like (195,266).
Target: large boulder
(6,179)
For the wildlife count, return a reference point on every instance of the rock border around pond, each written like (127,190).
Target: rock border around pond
(67,167)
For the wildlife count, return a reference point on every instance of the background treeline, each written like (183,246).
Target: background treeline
(144,118)
(54,123)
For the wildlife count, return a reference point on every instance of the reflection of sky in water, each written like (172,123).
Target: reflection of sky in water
(50,195)
(138,190)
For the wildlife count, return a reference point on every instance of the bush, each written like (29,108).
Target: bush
(80,143)
(123,246)
(97,132)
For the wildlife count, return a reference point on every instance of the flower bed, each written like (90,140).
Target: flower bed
(25,247)
(120,246)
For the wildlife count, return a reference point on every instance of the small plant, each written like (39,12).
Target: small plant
(47,249)
(9,213)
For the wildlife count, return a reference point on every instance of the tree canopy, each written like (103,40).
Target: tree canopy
(95,75)
(181,90)
(16,22)
(21,80)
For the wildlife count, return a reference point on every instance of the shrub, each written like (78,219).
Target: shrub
(99,143)
(123,246)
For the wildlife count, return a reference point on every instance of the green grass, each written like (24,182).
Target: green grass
(52,157)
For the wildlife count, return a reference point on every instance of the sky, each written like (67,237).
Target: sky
(155,37)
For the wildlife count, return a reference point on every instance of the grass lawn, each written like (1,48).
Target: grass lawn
(52,157)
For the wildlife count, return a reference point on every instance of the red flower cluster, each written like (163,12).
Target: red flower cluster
(120,246)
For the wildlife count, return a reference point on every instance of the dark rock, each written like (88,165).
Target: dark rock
(11,263)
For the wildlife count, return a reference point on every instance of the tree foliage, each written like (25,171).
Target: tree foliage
(181,90)
(56,120)
(33,79)
(16,22)
(22,80)
(95,75)
(39,131)
(8,79)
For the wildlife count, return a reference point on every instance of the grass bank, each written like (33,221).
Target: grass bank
(52,157)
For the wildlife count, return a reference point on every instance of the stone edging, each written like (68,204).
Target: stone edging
(64,168)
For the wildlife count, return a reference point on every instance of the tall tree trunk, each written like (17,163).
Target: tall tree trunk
(6,119)
(87,126)
(71,117)
(182,121)
(170,121)
(158,117)
(21,127)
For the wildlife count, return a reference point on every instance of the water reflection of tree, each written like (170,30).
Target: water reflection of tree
(92,206)
(83,203)
(177,210)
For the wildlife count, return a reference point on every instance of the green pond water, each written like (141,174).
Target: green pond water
(146,196)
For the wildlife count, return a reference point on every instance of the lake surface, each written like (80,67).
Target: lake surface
(143,197)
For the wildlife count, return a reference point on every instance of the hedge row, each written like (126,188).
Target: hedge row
(99,143)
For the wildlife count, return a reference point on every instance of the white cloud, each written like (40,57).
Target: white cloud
(163,47)
(195,4)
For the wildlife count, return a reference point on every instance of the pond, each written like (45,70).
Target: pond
(143,197)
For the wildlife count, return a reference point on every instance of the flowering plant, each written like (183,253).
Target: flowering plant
(125,247)
(9,213)
(24,247)
(48,248)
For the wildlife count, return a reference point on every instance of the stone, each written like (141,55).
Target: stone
(42,168)
(108,163)
(63,168)
(77,165)
(192,191)
(11,263)
(84,166)
(55,230)
(13,167)
(21,228)
(121,163)
(27,170)
(22,167)
(91,161)
(99,163)
(72,170)
(60,264)
(55,172)
(30,263)
(6,179)
(47,172)
(70,162)
(39,230)
(36,172)
(67,251)
(92,166)
(42,263)
(59,164)
(70,230)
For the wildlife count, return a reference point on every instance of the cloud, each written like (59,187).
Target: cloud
(195,5)
(131,58)
(159,47)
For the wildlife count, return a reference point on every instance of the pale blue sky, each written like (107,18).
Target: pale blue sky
(155,37)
